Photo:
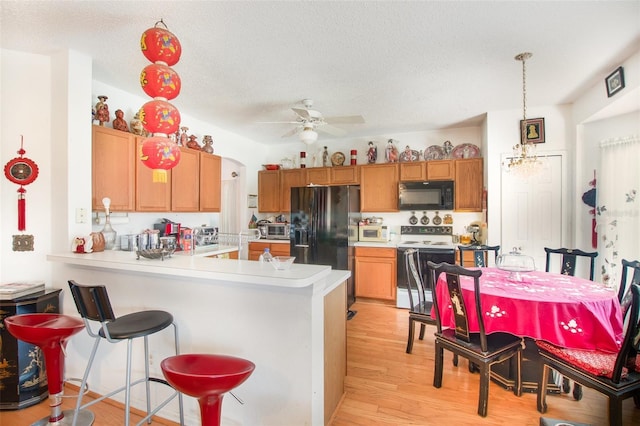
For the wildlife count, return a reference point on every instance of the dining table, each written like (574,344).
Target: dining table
(564,310)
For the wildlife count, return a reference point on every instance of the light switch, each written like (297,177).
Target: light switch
(81,215)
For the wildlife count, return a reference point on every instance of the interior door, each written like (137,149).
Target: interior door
(532,211)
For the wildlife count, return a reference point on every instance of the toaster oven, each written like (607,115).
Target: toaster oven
(277,231)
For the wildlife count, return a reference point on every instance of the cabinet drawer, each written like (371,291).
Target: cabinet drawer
(375,252)
(280,249)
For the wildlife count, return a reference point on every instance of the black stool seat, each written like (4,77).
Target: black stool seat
(138,324)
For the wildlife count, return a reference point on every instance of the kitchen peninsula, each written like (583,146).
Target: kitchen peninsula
(291,324)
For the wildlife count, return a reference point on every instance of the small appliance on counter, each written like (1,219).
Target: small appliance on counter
(168,228)
(278,231)
(262,227)
(205,236)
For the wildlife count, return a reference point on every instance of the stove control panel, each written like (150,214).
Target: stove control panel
(426,230)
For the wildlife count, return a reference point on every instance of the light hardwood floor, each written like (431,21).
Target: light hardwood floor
(386,386)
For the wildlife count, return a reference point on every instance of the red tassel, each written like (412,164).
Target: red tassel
(21,214)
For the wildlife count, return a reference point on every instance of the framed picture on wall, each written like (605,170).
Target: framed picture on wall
(615,82)
(532,130)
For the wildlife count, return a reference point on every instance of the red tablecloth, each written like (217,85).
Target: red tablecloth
(564,310)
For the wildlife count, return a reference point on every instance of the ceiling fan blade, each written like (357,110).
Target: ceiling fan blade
(277,122)
(302,113)
(347,119)
(331,130)
(291,132)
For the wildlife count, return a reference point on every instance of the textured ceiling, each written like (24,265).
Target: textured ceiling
(404,66)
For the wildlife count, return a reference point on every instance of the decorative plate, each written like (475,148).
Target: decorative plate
(337,159)
(409,155)
(465,150)
(434,152)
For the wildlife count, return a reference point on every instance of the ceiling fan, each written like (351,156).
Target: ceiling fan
(309,120)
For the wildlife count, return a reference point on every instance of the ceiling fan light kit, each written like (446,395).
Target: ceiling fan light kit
(308,135)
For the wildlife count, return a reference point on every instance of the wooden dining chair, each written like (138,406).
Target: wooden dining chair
(420,307)
(615,375)
(625,283)
(568,267)
(570,259)
(481,349)
(480,254)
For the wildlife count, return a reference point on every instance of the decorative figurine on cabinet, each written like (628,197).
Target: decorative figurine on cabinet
(391,152)
(136,126)
(119,123)
(372,153)
(102,110)
(447,147)
(193,143)
(325,158)
(183,136)
(208,144)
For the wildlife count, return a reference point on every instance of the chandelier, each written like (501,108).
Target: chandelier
(524,161)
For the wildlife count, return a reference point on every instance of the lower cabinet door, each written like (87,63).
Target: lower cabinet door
(376,277)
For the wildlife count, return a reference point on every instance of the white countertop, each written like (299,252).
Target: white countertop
(199,266)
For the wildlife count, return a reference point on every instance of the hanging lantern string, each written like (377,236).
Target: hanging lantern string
(21,151)
(163,24)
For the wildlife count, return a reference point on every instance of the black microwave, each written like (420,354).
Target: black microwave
(430,195)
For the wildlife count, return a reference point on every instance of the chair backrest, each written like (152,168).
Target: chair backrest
(460,309)
(569,260)
(92,302)
(415,284)
(480,254)
(631,343)
(627,266)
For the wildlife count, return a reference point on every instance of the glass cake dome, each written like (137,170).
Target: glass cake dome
(516,263)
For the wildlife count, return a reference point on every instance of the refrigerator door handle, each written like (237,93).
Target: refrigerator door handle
(302,245)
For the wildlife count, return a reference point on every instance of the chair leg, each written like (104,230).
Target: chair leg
(439,359)
(615,411)
(127,389)
(455,360)
(517,386)
(410,337)
(422,328)
(147,383)
(483,399)
(177,345)
(542,389)
(85,378)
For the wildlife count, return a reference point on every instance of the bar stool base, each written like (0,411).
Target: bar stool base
(85,418)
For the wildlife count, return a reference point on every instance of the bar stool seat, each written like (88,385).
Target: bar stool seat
(206,377)
(50,332)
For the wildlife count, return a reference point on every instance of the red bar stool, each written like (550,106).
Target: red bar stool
(50,332)
(207,378)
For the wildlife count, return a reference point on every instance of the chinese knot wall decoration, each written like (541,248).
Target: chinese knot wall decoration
(21,171)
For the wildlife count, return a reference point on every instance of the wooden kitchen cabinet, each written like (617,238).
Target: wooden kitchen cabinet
(290,178)
(150,196)
(379,188)
(113,162)
(185,187)
(269,191)
(468,185)
(414,171)
(210,182)
(256,248)
(345,175)
(375,272)
(319,176)
(441,170)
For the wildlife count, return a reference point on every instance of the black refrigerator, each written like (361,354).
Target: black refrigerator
(324,228)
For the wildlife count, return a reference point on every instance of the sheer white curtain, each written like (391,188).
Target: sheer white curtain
(618,205)
(228,215)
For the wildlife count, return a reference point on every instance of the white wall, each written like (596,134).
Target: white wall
(25,109)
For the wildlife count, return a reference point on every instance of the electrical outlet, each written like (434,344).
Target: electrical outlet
(81,215)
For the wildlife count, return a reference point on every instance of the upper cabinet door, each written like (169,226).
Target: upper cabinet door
(469,185)
(289,179)
(113,156)
(150,196)
(210,182)
(441,170)
(269,191)
(414,171)
(379,188)
(185,186)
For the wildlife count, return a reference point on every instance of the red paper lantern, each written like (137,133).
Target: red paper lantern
(159,44)
(160,81)
(158,116)
(160,154)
